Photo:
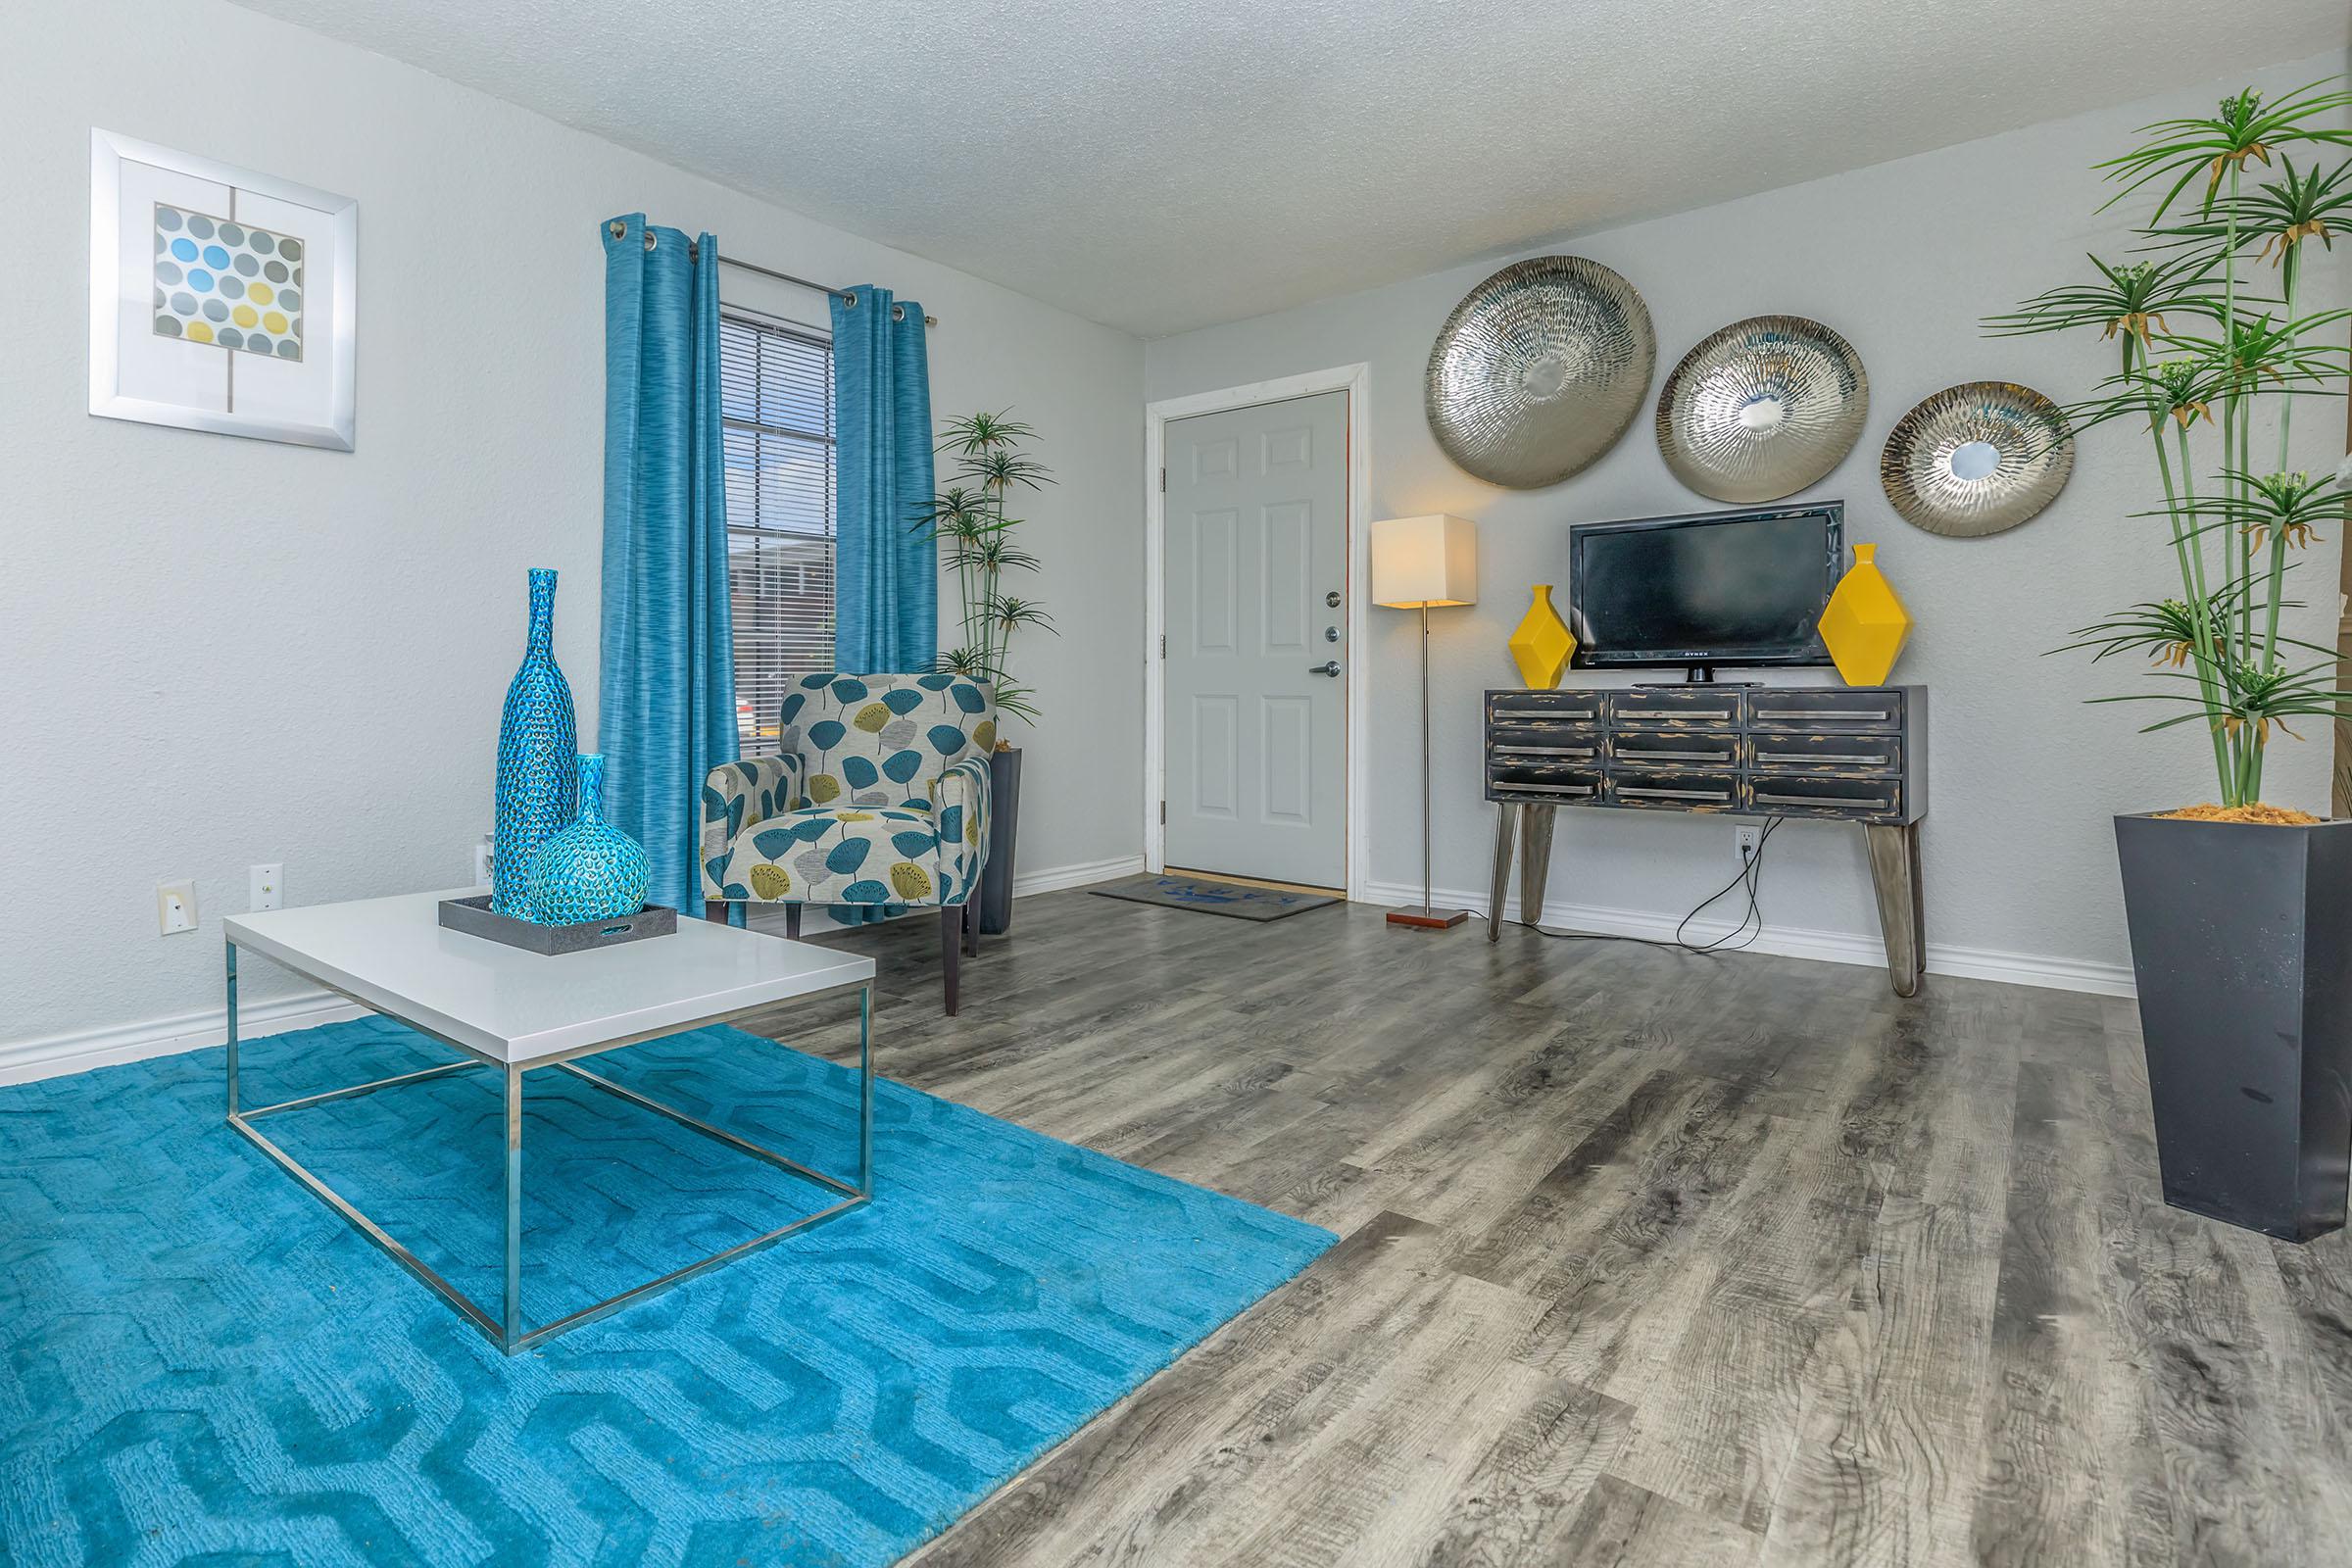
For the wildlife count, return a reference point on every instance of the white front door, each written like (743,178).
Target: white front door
(1256,696)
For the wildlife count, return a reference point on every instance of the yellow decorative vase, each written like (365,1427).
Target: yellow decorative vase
(1865,624)
(1543,643)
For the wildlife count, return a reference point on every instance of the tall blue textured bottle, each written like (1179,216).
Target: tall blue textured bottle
(538,757)
(589,872)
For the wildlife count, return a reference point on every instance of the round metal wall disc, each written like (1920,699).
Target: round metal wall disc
(1762,408)
(1976,459)
(1538,371)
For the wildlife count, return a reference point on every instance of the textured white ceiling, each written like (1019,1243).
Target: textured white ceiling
(1161,165)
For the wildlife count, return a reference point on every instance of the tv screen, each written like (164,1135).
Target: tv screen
(1724,587)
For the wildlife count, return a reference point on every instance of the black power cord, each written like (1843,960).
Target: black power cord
(1751,876)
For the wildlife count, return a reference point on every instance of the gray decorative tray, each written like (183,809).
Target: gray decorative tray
(475,918)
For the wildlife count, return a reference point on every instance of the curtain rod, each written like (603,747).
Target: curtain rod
(802,282)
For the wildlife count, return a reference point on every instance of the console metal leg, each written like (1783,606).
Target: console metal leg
(1535,863)
(232,1028)
(1505,816)
(1894,873)
(514,1301)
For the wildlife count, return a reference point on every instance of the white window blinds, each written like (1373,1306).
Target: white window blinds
(777,397)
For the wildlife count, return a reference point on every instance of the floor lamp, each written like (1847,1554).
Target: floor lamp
(1421,564)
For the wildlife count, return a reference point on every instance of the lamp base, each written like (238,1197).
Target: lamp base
(1427,919)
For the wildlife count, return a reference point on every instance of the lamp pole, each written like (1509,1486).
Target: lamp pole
(1426,916)
(1428,897)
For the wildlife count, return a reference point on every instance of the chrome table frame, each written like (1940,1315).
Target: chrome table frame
(509,1332)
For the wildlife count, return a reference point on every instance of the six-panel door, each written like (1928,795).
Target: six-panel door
(1256,544)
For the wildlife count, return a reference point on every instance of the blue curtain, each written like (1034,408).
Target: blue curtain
(666,704)
(885,574)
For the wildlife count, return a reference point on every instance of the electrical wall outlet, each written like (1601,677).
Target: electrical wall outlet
(175,906)
(265,887)
(481,860)
(1748,841)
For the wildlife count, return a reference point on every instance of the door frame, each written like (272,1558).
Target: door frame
(1354,380)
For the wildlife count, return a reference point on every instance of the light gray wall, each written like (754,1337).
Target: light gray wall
(1903,258)
(215,652)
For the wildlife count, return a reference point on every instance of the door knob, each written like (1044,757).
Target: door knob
(1330,667)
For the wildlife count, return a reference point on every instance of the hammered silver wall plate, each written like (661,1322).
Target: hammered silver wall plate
(1762,409)
(1976,459)
(1538,371)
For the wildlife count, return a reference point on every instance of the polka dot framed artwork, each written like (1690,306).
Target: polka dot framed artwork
(221,298)
(227,283)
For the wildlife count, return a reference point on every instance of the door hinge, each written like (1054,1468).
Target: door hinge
(1164,478)
(1164,814)
(1163,645)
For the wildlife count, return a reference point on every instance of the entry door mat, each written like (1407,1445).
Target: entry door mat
(1236,898)
(200,1361)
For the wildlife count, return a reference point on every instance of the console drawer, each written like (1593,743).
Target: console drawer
(1543,743)
(1825,708)
(1817,752)
(1675,792)
(1674,706)
(1558,707)
(1674,748)
(1530,781)
(1820,795)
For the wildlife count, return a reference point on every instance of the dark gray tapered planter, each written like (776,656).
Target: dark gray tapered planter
(2241,940)
(1003,829)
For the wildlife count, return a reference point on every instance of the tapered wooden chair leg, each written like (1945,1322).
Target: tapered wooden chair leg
(792,921)
(714,911)
(971,920)
(950,949)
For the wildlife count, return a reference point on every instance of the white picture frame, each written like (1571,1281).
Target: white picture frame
(172,238)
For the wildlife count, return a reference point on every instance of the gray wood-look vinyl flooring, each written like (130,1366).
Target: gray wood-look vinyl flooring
(1645,1259)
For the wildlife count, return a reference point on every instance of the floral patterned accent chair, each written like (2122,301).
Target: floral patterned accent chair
(877,800)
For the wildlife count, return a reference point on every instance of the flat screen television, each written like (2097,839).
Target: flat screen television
(1711,588)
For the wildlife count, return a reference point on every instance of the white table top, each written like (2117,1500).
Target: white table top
(515,1006)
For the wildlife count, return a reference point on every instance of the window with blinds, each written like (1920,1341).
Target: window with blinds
(776,399)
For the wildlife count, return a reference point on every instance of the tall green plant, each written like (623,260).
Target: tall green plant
(2198,351)
(969,518)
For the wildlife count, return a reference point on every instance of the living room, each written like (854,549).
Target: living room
(893,805)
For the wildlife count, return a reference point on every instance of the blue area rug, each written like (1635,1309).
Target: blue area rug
(200,1362)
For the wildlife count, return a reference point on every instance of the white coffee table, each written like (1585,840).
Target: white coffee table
(514,1012)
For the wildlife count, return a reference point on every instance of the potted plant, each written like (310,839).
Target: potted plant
(2240,913)
(967,515)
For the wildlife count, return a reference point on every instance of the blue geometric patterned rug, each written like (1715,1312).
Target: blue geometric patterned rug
(199,1362)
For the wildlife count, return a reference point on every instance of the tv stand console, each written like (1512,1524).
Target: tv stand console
(1844,753)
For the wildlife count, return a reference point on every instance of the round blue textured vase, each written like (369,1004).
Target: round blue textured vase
(538,757)
(589,870)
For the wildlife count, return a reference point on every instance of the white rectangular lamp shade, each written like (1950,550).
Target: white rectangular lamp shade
(1424,560)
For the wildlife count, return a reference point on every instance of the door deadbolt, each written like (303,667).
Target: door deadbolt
(1331,634)
(1332,599)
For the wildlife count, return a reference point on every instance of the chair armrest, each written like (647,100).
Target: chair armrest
(959,810)
(737,794)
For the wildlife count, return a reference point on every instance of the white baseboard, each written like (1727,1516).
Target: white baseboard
(1055,878)
(1797,942)
(79,1049)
